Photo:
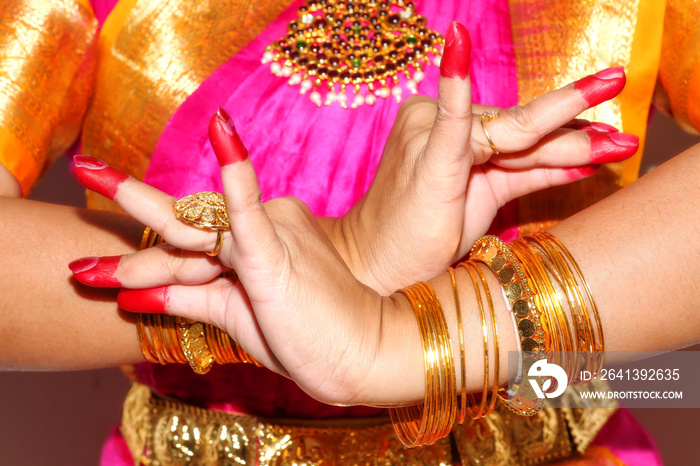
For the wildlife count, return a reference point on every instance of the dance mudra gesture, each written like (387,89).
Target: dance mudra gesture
(312,297)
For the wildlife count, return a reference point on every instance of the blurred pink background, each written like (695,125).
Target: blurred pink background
(63,418)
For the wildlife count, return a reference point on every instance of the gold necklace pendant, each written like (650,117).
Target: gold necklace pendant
(363,44)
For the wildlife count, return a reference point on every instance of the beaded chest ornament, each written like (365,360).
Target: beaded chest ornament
(366,45)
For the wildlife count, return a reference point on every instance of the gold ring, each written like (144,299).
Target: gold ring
(206,210)
(485,118)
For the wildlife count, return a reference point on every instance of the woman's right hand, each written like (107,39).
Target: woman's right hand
(439,185)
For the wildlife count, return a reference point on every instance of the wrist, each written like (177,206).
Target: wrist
(349,239)
(398,355)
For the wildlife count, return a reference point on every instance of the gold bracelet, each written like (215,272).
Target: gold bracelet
(588,328)
(494,329)
(162,341)
(462,412)
(425,424)
(559,344)
(498,257)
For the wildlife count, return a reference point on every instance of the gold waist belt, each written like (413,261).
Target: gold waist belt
(162,432)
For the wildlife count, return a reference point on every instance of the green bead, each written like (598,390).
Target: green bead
(411,40)
(356,63)
(301,44)
(356,30)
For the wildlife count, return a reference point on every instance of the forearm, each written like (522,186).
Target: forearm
(637,250)
(50,321)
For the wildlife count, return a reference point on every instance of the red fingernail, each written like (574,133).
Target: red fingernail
(577,173)
(455,56)
(224,139)
(95,271)
(615,72)
(615,147)
(151,300)
(602,86)
(97,176)
(603,127)
(81,265)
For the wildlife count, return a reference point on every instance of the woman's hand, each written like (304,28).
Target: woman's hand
(439,185)
(296,308)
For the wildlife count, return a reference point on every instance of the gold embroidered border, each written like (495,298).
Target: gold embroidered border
(160,55)
(47,64)
(557,42)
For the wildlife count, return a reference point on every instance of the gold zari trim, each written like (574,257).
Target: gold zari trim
(160,55)
(556,43)
(163,432)
(47,55)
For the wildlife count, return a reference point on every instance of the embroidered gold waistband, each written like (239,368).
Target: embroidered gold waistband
(163,432)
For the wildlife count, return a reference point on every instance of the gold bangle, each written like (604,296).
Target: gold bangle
(589,337)
(461,413)
(559,344)
(144,341)
(494,328)
(498,257)
(484,330)
(160,336)
(425,424)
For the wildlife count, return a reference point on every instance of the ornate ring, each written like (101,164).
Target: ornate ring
(485,118)
(205,210)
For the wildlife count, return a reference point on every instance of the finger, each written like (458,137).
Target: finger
(254,235)
(222,303)
(157,266)
(521,127)
(447,149)
(585,125)
(145,203)
(570,148)
(521,182)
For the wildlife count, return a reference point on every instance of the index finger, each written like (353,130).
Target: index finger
(145,203)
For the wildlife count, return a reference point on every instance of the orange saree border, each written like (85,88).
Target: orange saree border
(560,41)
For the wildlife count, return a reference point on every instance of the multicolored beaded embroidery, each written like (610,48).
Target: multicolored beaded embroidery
(363,44)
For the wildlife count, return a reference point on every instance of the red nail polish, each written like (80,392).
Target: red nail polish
(150,300)
(224,139)
(601,86)
(615,72)
(455,56)
(82,265)
(97,176)
(615,147)
(577,173)
(97,271)
(603,128)
(625,139)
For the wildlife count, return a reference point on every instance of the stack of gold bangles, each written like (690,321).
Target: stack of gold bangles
(544,289)
(554,314)
(174,340)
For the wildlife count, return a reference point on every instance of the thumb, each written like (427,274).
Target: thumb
(255,241)
(448,144)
